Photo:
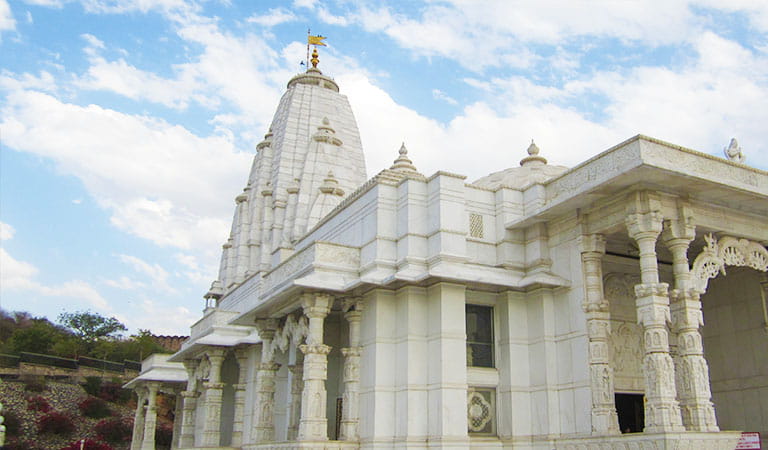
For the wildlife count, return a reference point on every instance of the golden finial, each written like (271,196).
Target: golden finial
(314,59)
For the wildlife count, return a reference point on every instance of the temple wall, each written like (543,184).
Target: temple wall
(736,347)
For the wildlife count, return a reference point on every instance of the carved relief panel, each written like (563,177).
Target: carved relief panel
(625,346)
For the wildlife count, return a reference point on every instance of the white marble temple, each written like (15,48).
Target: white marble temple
(617,304)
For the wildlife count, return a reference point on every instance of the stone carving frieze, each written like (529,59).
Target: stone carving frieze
(728,251)
(289,269)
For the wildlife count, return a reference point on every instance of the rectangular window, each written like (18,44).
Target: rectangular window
(479,322)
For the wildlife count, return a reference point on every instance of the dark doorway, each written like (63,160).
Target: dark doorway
(631,413)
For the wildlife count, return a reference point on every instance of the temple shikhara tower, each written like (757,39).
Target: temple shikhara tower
(618,304)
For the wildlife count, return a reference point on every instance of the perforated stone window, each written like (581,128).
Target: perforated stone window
(481,410)
(476,225)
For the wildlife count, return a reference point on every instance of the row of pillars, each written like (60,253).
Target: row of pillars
(145,418)
(307,420)
(684,377)
(213,387)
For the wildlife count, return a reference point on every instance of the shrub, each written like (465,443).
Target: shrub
(163,435)
(55,423)
(20,444)
(92,386)
(12,423)
(114,392)
(33,383)
(38,403)
(95,408)
(89,444)
(115,430)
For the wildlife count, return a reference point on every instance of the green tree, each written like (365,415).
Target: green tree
(92,327)
(39,337)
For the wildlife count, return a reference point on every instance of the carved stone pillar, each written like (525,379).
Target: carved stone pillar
(244,225)
(242,374)
(150,419)
(264,418)
(297,386)
(178,411)
(266,230)
(349,406)
(662,412)
(691,369)
(313,425)
(138,419)
(189,400)
(604,417)
(214,390)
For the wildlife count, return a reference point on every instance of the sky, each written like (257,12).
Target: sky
(127,127)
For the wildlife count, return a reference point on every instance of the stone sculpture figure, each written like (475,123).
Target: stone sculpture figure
(733,152)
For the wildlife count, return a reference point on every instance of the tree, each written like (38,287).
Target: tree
(21,332)
(92,327)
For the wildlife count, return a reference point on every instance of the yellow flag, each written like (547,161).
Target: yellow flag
(316,40)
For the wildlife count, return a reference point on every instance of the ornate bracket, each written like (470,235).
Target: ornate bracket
(728,251)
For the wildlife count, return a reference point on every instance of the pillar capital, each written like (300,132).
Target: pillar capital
(682,230)
(592,243)
(269,366)
(316,305)
(315,349)
(352,304)
(353,316)
(351,351)
(646,225)
(266,328)
(215,354)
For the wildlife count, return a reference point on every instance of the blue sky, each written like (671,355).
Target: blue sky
(127,127)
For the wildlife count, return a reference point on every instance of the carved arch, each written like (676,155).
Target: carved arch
(728,251)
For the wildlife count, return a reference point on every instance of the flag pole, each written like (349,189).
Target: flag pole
(307,60)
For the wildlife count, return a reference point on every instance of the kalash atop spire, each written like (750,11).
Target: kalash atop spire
(313,142)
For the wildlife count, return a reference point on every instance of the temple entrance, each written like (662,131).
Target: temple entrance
(629,407)
(736,348)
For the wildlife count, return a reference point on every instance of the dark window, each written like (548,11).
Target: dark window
(479,336)
(631,414)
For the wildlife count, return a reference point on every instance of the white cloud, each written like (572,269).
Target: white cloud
(161,319)
(154,272)
(47,3)
(6,231)
(437,94)
(273,17)
(44,82)
(18,275)
(308,4)
(496,33)
(122,158)
(197,274)
(325,16)
(701,104)
(124,283)
(7,22)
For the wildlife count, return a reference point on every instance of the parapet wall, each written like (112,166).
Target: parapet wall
(12,366)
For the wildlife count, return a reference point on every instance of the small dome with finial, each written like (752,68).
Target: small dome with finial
(533,157)
(533,169)
(403,163)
